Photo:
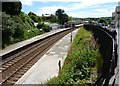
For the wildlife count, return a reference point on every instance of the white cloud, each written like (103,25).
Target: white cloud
(92,14)
(83,2)
(69,8)
(49,10)
(103,10)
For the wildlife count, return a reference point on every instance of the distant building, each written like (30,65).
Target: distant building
(52,25)
(116,20)
(116,17)
(47,16)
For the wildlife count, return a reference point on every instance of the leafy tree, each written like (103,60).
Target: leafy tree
(34,17)
(65,18)
(53,18)
(90,22)
(12,8)
(8,29)
(62,17)
(101,20)
(19,31)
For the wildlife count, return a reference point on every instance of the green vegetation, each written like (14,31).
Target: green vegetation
(34,17)
(90,22)
(82,63)
(44,27)
(12,8)
(62,17)
(16,28)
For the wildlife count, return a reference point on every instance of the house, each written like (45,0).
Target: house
(116,17)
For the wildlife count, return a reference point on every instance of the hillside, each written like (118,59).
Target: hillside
(17,28)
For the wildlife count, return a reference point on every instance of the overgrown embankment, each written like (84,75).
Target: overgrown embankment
(17,28)
(82,62)
(107,41)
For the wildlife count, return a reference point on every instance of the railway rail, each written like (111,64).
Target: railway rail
(18,64)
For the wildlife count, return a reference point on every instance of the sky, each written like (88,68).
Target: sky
(74,8)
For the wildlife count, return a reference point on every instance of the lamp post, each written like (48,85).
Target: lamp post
(71,32)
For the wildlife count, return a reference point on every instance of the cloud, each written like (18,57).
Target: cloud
(77,5)
(83,2)
(49,10)
(103,10)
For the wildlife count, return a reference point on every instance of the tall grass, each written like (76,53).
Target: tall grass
(82,62)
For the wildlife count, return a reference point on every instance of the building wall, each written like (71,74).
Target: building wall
(116,17)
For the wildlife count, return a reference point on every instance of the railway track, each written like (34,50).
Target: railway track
(18,64)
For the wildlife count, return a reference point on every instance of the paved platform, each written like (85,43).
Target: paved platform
(26,42)
(47,67)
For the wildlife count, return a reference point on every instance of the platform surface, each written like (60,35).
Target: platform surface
(47,67)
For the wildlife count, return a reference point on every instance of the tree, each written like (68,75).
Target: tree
(90,21)
(8,29)
(12,8)
(33,16)
(53,18)
(65,18)
(61,15)
(101,20)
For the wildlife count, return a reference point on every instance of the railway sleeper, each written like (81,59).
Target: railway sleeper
(2,68)
(14,79)
(8,64)
(10,82)
(25,68)
(11,62)
(17,76)
(22,70)
(29,65)
(20,73)
(5,66)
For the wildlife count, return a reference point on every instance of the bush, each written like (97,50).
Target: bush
(40,25)
(19,31)
(8,29)
(46,28)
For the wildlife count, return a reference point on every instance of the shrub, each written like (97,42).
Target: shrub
(46,28)
(40,25)
(8,29)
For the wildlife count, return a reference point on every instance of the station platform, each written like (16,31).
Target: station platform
(26,42)
(47,67)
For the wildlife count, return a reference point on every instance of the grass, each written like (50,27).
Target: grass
(82,63)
